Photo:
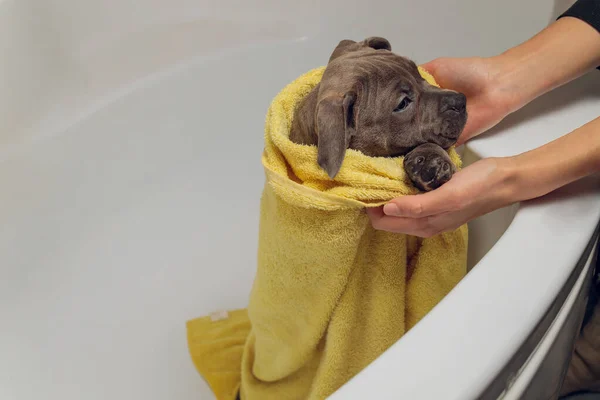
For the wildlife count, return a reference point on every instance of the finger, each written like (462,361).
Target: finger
(422,205)
(472,128)
(453,220)
(410,226)
(447,222)
(375,213)
(431,66)
(463,138)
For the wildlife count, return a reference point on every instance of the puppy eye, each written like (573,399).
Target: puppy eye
(420,160)
(404,103)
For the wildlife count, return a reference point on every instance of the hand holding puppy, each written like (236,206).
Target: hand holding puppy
(495,87)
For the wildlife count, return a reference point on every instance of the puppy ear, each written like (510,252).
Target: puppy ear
(335,128)
(377,43)
(346,46)
(343,47)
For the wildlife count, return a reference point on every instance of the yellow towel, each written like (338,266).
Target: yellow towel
(331,293)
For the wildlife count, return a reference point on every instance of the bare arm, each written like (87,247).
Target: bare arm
(560,53)
(542,170)
(497,86)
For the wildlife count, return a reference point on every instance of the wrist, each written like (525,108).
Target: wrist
(526,176)
(511,83)
(542,170)
(509,182)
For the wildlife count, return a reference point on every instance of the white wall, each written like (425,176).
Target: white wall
(60,56)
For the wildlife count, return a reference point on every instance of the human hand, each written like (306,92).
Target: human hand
(482,187)
(476,78)
(494,88)
(499,85)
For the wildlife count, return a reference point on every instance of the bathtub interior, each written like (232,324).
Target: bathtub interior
(132,182)
(128,222)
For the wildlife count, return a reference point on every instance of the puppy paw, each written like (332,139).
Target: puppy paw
(428,167)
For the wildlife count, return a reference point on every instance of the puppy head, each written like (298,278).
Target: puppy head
(375,101)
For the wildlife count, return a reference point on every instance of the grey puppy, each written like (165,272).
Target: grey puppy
(375,101)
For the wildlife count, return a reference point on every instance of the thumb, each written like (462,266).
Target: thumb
(432,66)
(439,69)
(421,205)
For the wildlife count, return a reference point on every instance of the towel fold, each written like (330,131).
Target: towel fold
(330,294)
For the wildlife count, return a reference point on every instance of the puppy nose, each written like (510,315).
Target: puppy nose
(454,101)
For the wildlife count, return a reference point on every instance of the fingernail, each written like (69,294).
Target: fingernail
(391,209)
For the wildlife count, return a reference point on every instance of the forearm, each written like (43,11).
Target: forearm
(563,51)
(562,161)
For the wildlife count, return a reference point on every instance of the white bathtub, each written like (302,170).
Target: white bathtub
(130,142)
